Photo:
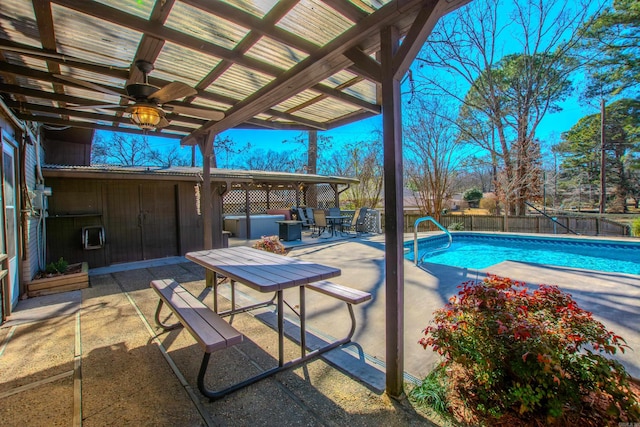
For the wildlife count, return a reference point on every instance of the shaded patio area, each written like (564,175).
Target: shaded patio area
(95,357)
(98,350)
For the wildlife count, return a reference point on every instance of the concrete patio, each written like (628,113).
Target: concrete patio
(95,357)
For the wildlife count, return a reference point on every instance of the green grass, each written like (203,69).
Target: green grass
(432,393)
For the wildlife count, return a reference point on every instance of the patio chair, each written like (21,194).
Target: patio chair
(306,221)
(356,224)
(320,222)
(309,212)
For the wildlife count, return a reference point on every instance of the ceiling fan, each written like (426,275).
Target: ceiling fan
(149,102)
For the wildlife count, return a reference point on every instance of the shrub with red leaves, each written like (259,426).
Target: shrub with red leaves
(529,352)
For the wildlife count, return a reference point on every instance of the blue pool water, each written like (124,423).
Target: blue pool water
(481,251)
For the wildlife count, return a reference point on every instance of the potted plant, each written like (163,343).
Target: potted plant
(270,244)
(59,276)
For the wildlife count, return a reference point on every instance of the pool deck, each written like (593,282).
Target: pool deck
(614,298)
(119,374)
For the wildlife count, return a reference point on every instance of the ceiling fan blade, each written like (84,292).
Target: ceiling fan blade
(163,123)
(90,85)
(201,112)
(172,91)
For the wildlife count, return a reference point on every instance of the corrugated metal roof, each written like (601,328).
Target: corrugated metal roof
(315,21)
(193,173)
(284,64)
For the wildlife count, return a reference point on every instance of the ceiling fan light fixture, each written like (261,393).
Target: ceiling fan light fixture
(146,117)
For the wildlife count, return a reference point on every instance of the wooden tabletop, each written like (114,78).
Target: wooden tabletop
(263,271)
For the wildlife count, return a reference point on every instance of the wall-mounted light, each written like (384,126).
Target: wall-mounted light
(146,117)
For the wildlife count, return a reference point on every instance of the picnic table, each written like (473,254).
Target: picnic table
(267,272)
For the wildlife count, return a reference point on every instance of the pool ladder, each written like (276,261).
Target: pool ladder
(415,235)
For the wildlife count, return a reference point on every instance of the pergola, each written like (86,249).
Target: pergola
(263,64)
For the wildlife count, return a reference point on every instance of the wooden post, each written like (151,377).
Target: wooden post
(247,210)
(311,198)
(394,236)
(206,148)
(217,192)
(395,60)
(603,161)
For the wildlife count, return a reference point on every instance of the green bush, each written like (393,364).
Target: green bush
(473,196)
(57,267)
(635,227)
(533,354)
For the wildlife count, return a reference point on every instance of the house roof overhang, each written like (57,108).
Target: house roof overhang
(290,64)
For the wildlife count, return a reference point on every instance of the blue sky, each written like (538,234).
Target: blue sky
(549,130)
(272,139)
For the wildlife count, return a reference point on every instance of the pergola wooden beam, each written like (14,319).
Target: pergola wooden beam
(266,26)
(321,64)
(416,37)
(347,9)
(367,66)
(44,19)
(27,107)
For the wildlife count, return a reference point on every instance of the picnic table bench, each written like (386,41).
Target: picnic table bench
(349,295)
(209,330)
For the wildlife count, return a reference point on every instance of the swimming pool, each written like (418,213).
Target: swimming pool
(480,250)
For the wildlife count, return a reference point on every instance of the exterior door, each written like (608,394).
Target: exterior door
(123,223)
(158,220)
(10,221)
(142,221)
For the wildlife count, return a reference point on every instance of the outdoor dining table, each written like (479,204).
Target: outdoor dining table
(266,272)
(335,220)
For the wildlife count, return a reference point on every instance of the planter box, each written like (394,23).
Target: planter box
(62,283)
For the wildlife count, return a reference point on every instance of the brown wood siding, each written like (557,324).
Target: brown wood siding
(71,146)
(158,219)
(64,239)
(142,219)
(123,234)
(190,229)
(73,205)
